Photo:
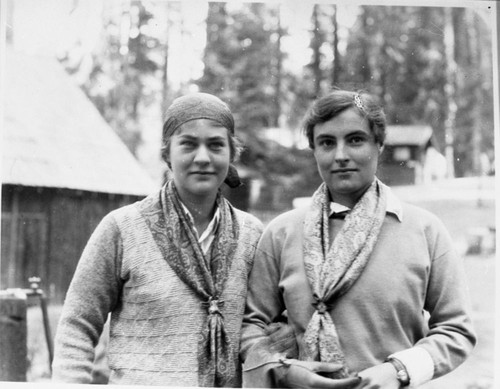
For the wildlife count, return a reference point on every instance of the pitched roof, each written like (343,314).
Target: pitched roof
(53,136)
(411,135)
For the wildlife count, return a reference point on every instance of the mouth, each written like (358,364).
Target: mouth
(340,171)
(203,173)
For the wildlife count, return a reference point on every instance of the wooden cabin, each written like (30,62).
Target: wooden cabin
(406,159)
(63,169)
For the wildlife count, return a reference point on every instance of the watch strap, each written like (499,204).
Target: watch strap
(401,372)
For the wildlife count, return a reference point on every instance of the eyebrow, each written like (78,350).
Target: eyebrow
(191,137)
(353,132)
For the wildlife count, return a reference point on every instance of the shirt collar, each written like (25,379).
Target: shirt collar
(212,226)
(337,208)
(393,206)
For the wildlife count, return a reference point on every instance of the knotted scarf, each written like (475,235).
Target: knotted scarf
(332,271)
(205,275)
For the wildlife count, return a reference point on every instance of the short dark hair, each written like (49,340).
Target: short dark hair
(337,101)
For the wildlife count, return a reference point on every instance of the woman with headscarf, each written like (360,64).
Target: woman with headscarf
(171,270)
(357,289)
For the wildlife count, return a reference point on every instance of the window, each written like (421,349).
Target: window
(402,154)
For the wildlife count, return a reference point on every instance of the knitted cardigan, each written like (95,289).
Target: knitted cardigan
(155,317)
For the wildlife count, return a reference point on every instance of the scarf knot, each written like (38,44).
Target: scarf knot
(214,306)
(321,306)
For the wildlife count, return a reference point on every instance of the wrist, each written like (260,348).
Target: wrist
(401,373)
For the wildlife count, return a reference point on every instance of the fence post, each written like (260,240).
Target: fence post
(13,336)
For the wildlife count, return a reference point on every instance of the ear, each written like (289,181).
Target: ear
(165,154)
(166,158)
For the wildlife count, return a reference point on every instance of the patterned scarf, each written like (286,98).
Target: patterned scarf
(205,275)
(331,272)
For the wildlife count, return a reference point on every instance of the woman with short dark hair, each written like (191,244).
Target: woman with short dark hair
(358,289)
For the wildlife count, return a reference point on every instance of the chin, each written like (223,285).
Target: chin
(203,189)
(352,193)
(344,189)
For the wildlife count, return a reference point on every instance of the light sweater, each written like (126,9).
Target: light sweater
(156,318)
(413,274)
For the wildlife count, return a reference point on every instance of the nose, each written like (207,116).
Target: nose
(202,155)
(341,154)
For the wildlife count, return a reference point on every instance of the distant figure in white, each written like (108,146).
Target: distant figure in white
(434,168)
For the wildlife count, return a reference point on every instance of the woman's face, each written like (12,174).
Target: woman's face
(347,156)
(199,158)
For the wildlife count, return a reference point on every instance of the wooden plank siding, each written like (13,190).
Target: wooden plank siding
(44,231)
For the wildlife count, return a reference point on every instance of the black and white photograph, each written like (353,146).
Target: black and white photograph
(258,194)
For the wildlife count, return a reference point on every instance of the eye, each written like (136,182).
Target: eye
(186,143)
(217,145)
(326,143)
(356,139)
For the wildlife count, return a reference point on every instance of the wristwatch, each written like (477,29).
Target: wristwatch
(401,372)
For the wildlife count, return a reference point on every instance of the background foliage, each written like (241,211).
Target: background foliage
(428,65)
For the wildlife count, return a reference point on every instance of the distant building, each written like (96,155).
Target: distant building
(410,156)
(63,169)
(286,137)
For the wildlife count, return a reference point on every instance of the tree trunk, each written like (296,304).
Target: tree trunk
(496,52)
(3,58)
(336,67)
(164,78)
(365,59)
(475,63)
(316,46)
(450,88)
(279,65)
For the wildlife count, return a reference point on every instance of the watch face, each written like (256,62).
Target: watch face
(403,377)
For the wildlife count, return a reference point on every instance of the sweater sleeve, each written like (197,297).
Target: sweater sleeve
(451,336)
(264,303)
(264,307)
(92,294)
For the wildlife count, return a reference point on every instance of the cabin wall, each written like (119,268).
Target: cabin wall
(396,168)
(44,232)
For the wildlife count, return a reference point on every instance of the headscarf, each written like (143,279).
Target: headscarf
(201,106)
(331,271)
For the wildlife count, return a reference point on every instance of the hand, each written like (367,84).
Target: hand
(302,374)
(380,376)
